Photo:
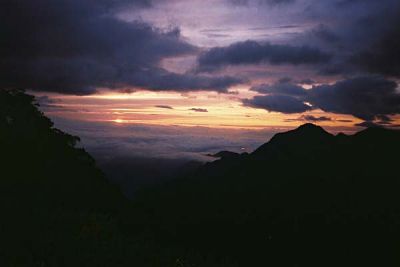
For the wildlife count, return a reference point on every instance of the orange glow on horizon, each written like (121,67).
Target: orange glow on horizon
(208,109)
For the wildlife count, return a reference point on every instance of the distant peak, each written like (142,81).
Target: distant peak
(307,136)
(310,128)
(307,130)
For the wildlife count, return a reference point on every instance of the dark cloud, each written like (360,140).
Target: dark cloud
(73,46)
(164,106)
(381,26)
(199,109)
(369,98)
(158,79)
(282,88)
(367,124)
(252,52)
(285,80)
(363,97)
(384,119)
(279,103)
(383,56)
(315,119)
(360,37)
(381,121)
(337,69)
(310,118)
(307,81)
(363,34)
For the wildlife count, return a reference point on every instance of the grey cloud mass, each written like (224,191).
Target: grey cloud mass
(359,38)
(311,118)
(368,97)
(252,52)
(363,35)
(74,47)
(315,119)
(279,103)
(282,88)
(363,97)
(383,55)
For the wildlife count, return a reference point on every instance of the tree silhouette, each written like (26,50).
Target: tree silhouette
(57,206)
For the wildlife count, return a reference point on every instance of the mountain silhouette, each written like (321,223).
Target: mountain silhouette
(305,198)
(304,139)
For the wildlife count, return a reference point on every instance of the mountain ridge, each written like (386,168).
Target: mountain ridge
(310,134)
(307,196)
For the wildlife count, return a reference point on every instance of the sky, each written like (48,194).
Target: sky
(236,70)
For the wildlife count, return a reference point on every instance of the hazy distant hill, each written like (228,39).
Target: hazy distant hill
(305,198)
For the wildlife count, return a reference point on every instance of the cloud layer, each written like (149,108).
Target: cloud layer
(73,46)
(252,52)
(368,97)
(349,50)
(153,141)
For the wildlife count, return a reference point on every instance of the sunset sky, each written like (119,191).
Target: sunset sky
(231,65)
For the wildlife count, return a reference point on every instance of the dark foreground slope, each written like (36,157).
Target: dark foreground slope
(306,198)
(57,208)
